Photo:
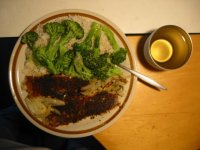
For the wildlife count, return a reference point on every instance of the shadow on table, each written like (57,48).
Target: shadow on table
(144,63)
(140,54)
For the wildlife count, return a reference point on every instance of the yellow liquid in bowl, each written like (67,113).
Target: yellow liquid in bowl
(161,50)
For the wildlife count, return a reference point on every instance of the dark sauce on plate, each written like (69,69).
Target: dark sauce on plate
(77,106)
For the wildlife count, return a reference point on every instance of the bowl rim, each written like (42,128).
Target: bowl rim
(150,58)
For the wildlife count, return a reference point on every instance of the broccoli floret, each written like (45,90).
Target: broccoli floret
(89,48)
(55,30)
(39,56)
(87,44)
(113,70)
(74,27)
(46,55)
(98,63)
(72,72)
(93,62)
(60,35)
(82,51)
(97,37)
(80,68)
(119,54)
(39,53)
(63,62)
(29,38)
(101,73)
(108,70)
(73,30)
(65,59)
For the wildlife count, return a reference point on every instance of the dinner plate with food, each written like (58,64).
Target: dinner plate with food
(64,73)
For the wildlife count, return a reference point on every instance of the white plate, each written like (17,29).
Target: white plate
(87,126)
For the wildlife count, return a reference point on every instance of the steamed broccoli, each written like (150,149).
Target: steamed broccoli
(73,30)
(63,62)
(39,53)
(61,34)
(71,71)
(85,60)
(30,38)
(55,30)
(106,71)
(90,51)
(80,68)
(47,55)
(92,57)
(39,56)
(119,54)
(88,42)
(77,68)
(54,56)
(94,62)
(98,63)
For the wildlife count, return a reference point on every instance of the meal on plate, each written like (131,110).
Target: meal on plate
(71,70)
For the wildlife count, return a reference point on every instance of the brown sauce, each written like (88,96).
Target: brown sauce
(53,86)
(77,106)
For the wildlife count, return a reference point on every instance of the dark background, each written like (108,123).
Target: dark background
(6,47)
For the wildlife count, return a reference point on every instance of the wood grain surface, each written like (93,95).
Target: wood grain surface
(161,120)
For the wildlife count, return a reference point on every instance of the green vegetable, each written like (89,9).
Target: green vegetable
(55,56)
(63,62)
(84,60)
(39,55)
(76,68)
(106,71)
(89,49)
(46,55)
(91,55)
(87,44)
(98,63)
(80,68)
(73,30)
(119,54)
(55,30)
(30,38)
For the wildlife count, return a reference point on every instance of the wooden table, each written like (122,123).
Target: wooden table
(160,120)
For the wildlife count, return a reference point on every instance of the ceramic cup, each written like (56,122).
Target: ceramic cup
(168,47)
